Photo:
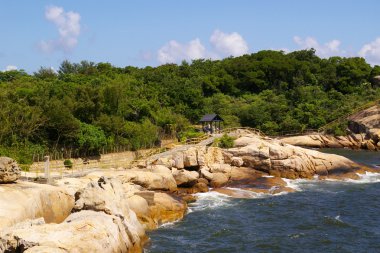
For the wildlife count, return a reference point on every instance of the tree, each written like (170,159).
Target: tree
(90,138)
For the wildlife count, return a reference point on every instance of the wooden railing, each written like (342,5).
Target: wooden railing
(249,129)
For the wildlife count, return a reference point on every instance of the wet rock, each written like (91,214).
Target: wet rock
(166,208)
(218,179)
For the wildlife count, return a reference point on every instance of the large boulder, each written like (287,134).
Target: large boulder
(185,178)
(85,231)
(108,196)
(280,159)
(325,141)
(218,179)
(160,180)
(25,200)
(166,208)
(190,157)
(9,170)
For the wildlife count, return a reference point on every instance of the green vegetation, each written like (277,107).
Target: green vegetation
(225,141)
(68,163)
(88,107)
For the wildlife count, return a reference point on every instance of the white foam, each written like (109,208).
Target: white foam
(258,195)
(368,177)
(210,200)
(168,224)
(296,184)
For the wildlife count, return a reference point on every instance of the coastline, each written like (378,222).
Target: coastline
(144,198)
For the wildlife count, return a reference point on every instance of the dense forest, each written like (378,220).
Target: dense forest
(87,106)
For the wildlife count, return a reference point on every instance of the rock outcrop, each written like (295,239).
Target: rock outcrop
(85,231)
(363,133)
(113,208)
(24,200)
(367,122)
(284,160)
(9,170)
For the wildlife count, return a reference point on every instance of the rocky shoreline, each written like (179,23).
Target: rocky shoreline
(363,132)
(111,210)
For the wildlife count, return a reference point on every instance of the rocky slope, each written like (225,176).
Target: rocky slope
(363,133)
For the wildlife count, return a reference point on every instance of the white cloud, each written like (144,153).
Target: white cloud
(222,44)
(10,68)
(371,52)
(68,24)
(174,51)
(226,44)
(328,49)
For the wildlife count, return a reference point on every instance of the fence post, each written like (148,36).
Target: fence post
(47,169)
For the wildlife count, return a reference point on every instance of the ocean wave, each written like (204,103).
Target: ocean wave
(210,200)
(168,224)
(368,177)
(298,184)
(335,221)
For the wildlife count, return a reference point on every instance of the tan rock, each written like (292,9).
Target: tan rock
(185,178)
(108,196)
(190,157)
(200,187)
(85,231)
(218,179)
(24,200)
(150,180)
(165,161)
(277,158)
(166,208)
(159,169)
(237,161)
(370,145)
(223,168)
(9,170)
(205,173)
(202,180)
(178,160)
(201,156)
(214,155)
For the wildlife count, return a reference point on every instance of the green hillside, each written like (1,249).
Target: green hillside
(87,106)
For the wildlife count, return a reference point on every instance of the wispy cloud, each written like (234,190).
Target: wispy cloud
(226,44)
(174,51)
(331,48)
(222,44)
(10,68)
(371,51)
(69,29)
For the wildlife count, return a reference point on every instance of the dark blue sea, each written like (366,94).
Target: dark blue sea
(322,216)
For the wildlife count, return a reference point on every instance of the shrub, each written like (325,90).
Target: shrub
(68,163)
(338,129)
(189,133)
(225,141)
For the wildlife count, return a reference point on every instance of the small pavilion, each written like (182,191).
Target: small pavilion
(211,123)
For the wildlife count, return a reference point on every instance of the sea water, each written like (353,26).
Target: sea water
(321,216)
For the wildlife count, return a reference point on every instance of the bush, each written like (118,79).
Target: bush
(189,133)
(337,129)
(225,141)
(68,163)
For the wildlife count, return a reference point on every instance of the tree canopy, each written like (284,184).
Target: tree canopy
(87,106)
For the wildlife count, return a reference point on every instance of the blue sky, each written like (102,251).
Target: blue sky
(152,32)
